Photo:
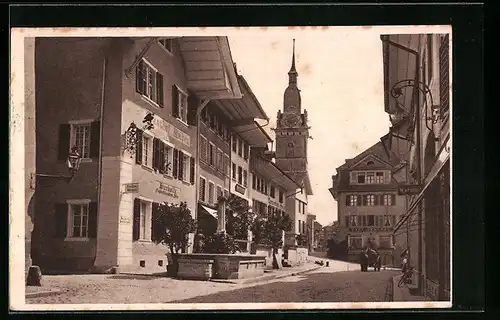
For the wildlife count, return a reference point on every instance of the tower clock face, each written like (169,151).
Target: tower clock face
(290,120)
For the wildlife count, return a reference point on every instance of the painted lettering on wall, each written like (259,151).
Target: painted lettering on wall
(275,204)
(125,220)
(168,190)
(171,132)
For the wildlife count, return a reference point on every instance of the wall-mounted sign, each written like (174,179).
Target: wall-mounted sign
(131,187)
(369,229)
(275,204)
(125,220)
(171,131)
(168,190)
(239,188)
(407,190)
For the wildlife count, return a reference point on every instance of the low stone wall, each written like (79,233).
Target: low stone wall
(296,255)
(220,266)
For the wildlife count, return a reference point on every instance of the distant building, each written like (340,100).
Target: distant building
(310,231)
(368,202)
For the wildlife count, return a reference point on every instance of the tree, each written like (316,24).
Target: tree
(268,229)
(239,218)
(172,225)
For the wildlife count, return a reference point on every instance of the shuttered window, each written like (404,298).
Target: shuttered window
(227,167)
(211,191)
(203,189)
(203,149)
(444,77)
(149,83)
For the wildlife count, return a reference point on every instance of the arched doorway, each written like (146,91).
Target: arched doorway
(430,219)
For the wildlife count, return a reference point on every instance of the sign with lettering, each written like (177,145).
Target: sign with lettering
(239,189)
(132,187)
(125,220)
(406,190)
(275,204)
(369,229)
(171,131)
(168,190)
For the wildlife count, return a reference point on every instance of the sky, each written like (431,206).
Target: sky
(341,83)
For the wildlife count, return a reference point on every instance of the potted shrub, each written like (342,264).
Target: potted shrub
(172,224)
(220,243)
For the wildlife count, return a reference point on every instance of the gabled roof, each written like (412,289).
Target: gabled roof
(377,151)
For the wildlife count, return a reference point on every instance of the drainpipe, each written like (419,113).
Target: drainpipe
(416,94)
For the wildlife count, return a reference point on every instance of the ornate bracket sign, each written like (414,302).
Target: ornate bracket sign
(407,190)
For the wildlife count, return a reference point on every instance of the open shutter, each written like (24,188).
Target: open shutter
(192,102)
(92,226)
(137,220)
(159,89)
(155,153)
(64,132)
(140,79)
(353,177)
(444,77)
(393,219)
(95,137)
(161,157)
(364,200)
(359,201)
(347,221)
(175,163)
(191,170)
(61,220)
(138,148)
(154,215)
(393,202)
(175,101)
(347,200)
(376,201)
(180,175)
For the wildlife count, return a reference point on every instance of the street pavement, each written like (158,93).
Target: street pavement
(339,282)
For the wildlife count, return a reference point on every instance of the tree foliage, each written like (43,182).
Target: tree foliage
(239,217)
(220,243)
(268,229)
(172,224)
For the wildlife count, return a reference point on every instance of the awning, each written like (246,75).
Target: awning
(443,158)
(253,133)
(210,211)
(248,107)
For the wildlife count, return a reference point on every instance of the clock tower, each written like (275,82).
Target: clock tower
(292,131)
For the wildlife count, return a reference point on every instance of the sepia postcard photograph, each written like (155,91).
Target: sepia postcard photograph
(230,168)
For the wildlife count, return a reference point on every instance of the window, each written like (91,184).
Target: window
(234,170)
(185,167)
(149,82)
(387,200)
(384,241)
(370,177)
(80,137)
(146,145)
(203,149)
(353,200)
(370,221)
(211,154)
(272,192)
(211,192)
(226,193)
(361,178)
(370,200)
(203,185)
(79,214)
(227,168)
(166,44)
(240,175)
(387,221)
(234,143)
(246,149)
(240,147)
(245,178)
(355,242)
(219,192)
(168,154)
(142,230)
(429,56)
(179,104)
(353,221)
(379,177)
(220,160)
(281,196)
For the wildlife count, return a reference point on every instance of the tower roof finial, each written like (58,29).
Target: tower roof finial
(292,69)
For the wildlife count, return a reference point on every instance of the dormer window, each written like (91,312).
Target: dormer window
(166,44)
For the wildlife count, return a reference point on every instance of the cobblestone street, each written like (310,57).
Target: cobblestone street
(339,282)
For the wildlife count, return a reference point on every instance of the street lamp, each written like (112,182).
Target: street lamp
(73,163)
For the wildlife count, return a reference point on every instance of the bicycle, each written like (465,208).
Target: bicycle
(406,278)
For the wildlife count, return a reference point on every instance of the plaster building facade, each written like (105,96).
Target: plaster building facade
(369,205)
(292,134)
(417,99)
(88,92)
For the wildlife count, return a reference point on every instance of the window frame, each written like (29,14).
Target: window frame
(182,114)
(169,158)
(149,153)
(72,137)
(148,66)
(70,220)
(358,238)
(212,154)
(167,50)
(211,193)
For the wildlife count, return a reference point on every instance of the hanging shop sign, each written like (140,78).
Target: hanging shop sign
(168,190)
(408,189)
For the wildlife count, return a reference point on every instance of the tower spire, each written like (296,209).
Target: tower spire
(292,74)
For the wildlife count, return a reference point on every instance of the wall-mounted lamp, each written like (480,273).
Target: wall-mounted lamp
(73,163)
(131,138)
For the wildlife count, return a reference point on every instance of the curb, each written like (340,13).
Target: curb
(48,292)
(266,277)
